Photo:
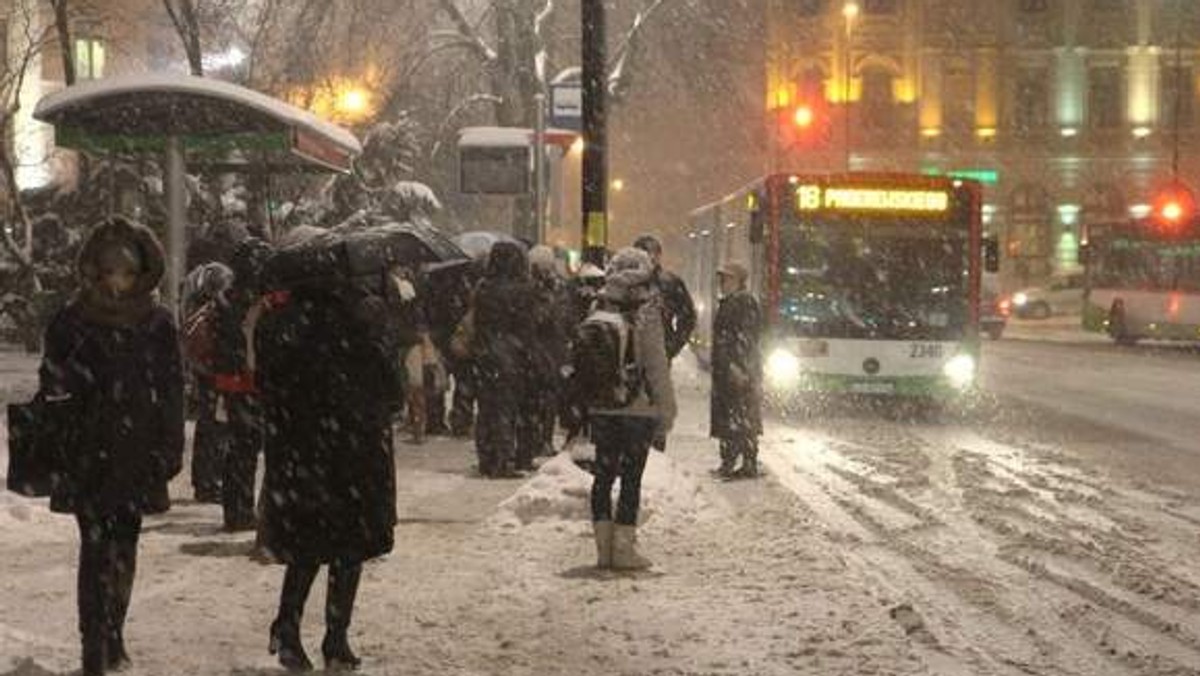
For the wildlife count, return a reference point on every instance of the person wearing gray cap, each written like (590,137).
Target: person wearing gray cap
(736,399)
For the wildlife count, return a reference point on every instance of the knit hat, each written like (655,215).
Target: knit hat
(541,259)
(628,276)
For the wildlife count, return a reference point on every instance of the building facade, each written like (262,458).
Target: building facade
(1069,111)
(108,38)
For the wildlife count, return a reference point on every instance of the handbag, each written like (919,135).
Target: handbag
(41,434)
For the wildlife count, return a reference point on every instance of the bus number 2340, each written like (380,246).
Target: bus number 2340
(925,351)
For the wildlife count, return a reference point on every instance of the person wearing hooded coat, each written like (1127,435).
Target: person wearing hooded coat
(735,412)
(112,355)
(507,312)
(624,436)
(327,370)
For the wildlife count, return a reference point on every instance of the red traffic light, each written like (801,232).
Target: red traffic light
(1174,206)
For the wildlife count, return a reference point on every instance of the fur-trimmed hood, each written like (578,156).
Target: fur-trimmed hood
(130,308)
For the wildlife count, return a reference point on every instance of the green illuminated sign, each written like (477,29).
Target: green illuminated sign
(986,176)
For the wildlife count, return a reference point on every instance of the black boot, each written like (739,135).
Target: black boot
(124,569)
(728,461)
(285,630)
(339,607)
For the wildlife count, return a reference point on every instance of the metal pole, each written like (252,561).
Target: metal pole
(846,87)
(595,161)
(176,220)
(539,168)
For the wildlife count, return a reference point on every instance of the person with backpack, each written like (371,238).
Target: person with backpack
(233,379)
(206,286)
(678,310)
(112,362)
(736,401)
(623,376)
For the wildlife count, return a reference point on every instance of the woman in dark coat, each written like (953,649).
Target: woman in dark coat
(736,405)
(326,373)
(507,311)
(112,365)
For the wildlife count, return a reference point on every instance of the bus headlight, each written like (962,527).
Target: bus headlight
(783,368)
(960,371)
(1020,299)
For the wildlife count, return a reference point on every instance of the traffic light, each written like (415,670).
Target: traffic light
(1174,207)
(803,117)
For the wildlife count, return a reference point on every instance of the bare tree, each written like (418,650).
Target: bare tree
(33,40)
(187,25)
(62,24)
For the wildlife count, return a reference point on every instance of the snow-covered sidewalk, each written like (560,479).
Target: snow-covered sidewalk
(490,577)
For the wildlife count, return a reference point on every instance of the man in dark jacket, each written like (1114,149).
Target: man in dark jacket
(327,370)
(736,404)
(233,380)
(507,313)
(679,312)
(113,370)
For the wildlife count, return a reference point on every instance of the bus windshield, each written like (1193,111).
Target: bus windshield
(873,280)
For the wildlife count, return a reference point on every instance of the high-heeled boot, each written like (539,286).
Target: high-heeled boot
(339,607)
(285,630)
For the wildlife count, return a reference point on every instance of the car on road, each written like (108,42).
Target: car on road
(1062,295)
(993,314)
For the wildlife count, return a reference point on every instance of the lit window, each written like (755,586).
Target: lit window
(89,58)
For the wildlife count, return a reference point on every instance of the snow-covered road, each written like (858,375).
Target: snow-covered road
(1020,539)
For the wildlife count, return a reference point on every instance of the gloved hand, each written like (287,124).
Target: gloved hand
(660,441)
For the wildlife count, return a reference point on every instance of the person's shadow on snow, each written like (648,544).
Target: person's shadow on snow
(280,671)
(29,667)
(591,572)
(221,549)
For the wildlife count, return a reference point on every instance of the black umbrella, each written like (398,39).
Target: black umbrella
(478,243)
(362,248)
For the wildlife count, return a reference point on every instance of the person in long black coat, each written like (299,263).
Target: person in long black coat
(507,312)
(327,369)
(736,402)
(552,353)
(112,361)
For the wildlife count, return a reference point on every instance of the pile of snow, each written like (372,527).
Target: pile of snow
(560,494)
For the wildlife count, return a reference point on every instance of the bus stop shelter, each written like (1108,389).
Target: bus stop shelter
(183,117)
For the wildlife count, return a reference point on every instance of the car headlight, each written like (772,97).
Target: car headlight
(1020,299)
(783,368)
(960,371)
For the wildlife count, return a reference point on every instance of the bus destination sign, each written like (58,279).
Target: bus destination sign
(834,198)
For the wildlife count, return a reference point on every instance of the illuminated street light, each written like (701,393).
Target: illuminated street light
(354,101)
(850,11)
(803,117)
(618,184)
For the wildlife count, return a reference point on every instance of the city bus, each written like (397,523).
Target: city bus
(870,283)
(1141,280)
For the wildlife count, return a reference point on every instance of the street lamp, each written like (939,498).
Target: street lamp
(850,12)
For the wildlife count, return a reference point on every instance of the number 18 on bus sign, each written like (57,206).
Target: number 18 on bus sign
(817,198)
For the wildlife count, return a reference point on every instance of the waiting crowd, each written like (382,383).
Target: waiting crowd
(315,376)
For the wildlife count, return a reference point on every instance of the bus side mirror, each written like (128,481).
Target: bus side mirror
(991,255)
(756,226)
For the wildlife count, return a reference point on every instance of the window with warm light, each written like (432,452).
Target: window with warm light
(89,58)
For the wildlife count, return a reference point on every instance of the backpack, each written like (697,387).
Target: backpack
(606,372)
(200,337)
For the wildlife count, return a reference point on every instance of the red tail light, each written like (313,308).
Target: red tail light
(1004,306)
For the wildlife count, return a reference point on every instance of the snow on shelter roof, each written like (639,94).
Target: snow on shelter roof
(494,137)
(139,107)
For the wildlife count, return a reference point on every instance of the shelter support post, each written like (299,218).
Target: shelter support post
(176,221)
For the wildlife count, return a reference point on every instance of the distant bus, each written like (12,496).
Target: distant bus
(870,283)
(1141,281)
